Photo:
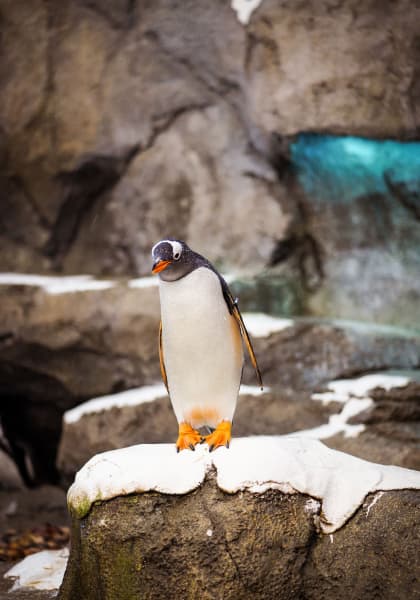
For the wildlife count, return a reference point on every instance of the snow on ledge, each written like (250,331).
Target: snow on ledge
(143,282)
(244,9)
(132,397)
(352,393)
(41,571)
(262,325)
(290,464)
(56,285)
(341,390)
(135,397)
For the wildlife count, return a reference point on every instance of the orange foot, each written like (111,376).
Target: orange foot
(187,437)
(220,436)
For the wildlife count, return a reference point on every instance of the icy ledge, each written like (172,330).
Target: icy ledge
(290,464)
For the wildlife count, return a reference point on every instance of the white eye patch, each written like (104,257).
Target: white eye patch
(176,248)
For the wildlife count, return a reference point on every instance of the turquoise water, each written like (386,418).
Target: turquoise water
(339,169)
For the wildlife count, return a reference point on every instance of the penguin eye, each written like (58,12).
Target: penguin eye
(177,255)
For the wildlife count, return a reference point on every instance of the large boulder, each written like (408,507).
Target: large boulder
(250,521)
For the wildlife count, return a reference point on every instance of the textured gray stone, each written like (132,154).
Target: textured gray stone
(242,545)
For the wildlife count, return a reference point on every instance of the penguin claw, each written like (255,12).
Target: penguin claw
(188,437)
(220,436)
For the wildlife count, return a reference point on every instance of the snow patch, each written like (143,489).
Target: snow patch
(341,390)
(41,571)
(360,386)
(143,282)
(133,397)
(353,394)
(262,325)
(374,501)
(244,9)
(291,464)
(338,423)
(56,285)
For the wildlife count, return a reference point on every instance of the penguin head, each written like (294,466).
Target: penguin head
(173,259)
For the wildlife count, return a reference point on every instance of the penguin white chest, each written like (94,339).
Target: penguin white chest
(202,349)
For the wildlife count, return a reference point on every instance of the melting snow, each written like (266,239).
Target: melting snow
(244,9)
(352,393)
(291,464)
(41,571)
(374,501)
(338,423)
(143,282)
(133,397)
(360,386)
(262,325)
(56,285)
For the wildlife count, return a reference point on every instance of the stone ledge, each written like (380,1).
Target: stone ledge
(245,522)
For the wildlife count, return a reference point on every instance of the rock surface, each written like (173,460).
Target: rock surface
(256,542)
(58,349)
(97,102)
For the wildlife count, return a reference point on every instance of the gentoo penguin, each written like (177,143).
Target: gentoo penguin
(200,344)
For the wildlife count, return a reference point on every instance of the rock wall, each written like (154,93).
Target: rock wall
(125,122)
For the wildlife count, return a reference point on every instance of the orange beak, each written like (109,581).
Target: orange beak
(160,266)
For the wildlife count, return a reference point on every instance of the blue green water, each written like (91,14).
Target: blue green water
(339,169)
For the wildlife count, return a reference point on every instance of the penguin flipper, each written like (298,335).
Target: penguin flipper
(161,361)
(235,312)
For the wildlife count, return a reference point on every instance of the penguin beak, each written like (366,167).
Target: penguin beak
(160,265)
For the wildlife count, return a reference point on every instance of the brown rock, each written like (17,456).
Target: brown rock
(372,555)
(238,558)
(95,96)
(243,545)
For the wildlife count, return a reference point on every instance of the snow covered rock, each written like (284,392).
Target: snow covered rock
(145,415)
(245,522)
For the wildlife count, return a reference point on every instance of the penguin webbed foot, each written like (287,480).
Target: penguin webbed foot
(221,436)
(188,437)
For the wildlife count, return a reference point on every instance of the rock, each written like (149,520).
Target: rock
(185,201)
(321,67)
(392,427)
(60,346)
(22,509)
(370,555)
(254,540)
(138,415)
(98,101)
(312,351)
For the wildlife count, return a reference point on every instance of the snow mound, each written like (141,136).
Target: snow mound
(290,464)
(41,571)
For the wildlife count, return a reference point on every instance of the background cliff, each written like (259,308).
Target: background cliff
(287,143)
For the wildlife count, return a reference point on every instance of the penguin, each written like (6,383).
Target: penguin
(201,344)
